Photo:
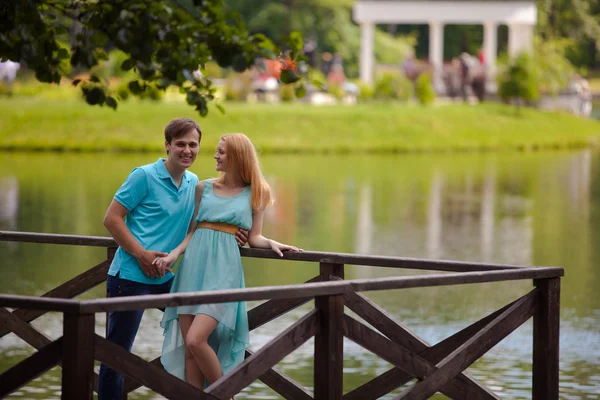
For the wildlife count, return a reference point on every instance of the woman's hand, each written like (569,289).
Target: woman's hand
(279,247)
(163,264)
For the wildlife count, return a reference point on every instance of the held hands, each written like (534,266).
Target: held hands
(146,260)
(279,247)
(164,263)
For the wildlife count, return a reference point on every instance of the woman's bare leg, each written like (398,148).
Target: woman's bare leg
(193,374)
(196,341)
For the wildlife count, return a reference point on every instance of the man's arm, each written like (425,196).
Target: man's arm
(114,222)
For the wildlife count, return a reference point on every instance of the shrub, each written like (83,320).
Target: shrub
(366,91)
(519,80)
(286,93)
(238,87)
(393,86)
(424,89)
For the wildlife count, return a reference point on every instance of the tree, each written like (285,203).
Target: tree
(578,20)
(165,42)
(326,22)
(519,80)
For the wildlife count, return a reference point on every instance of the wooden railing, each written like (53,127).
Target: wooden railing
(438,368)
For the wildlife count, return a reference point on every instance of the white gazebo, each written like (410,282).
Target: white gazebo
(519,15)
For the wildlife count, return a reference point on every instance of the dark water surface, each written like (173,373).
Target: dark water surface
(529,209)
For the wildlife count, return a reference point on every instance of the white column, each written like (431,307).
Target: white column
(367,40)
(520,39)
(490,46)
(436,52)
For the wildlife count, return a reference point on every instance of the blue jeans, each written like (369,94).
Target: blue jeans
(122,328)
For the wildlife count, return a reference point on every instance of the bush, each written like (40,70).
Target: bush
(238,87)
(393,86)
(366,91)
(424,89)
(519,80)
(337,91)
(286,93)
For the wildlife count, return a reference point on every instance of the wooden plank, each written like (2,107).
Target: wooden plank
(384,322)
(39,303)
(23,330)
(283,385)
(131,384)
(78,356)
(378,261)
(475,347)
(215,296)
(395,377)
(272,309)
(304,290)
(260,362)
(546,331)
(74,287)
(391,352)
(148,374)
(51,238)
(30,368)
(329,341)
(29,334)
(311,256)
(466,387)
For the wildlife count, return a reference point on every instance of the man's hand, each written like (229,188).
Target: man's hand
(165,263)
(146,258)
(242,237)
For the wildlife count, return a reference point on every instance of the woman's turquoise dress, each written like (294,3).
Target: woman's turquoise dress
(211,262)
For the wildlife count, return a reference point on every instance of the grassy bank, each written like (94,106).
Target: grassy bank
(33,123)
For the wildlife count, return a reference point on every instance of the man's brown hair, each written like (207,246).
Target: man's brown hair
(179,127)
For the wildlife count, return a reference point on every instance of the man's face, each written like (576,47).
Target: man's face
(183,150)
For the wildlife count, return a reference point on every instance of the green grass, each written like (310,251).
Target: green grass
(65,124)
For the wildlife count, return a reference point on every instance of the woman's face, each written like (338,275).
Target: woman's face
(221,157)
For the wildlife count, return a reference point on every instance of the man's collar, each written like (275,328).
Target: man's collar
(163,172)
(161,169)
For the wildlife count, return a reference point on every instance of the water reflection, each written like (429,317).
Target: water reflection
(530,209)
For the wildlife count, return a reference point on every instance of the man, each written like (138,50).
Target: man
(148,217)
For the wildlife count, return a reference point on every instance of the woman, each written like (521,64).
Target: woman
(205,341)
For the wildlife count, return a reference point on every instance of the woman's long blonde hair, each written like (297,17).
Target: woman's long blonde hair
(243,161)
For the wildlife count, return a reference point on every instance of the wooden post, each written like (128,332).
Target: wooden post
(78,356)
(110,255)
(329,340)
(546,327)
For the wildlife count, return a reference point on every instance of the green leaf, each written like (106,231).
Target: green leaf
(63,53)
(135,87)
(95,96)
(239,63)
(288,76)
(300,91)
(220,108)
(111,102)
(127,64)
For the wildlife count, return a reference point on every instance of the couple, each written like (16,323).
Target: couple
(160,211)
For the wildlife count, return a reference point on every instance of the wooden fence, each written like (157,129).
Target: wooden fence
(438,368)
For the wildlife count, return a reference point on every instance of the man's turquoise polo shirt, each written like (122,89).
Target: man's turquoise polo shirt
(159,215)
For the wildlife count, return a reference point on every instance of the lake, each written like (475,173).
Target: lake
(540,208)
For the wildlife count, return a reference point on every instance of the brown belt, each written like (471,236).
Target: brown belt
(218,226)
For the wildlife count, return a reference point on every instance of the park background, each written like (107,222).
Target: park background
(392,169)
